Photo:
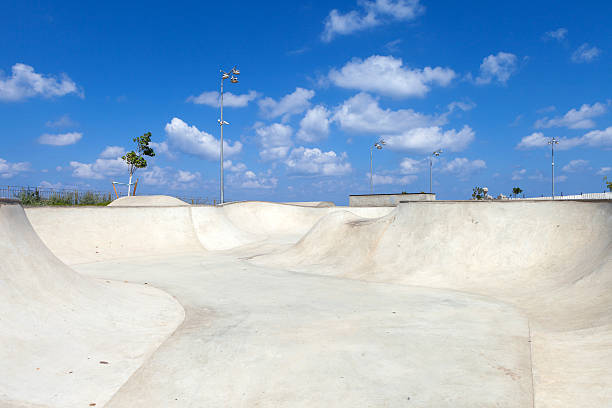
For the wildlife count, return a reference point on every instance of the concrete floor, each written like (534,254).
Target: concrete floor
(442,304)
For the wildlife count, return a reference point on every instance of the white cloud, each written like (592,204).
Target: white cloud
(54,186)
(251,180)
(411,166)
(575,119)
(464,167)
(184,176)
(162,148)
(229,99)
(497,67)
(585,53)
(604,171)
(598,138)
(62,122)
(362,114)
(464,106)
(167,176)
(275,141)
(575,165)
(234,167)
(25,83)
(112,152)
(387,76)
(314,125)
(393,46)
(8,169)
(387,179)
(99,169)
(244,178)
(430,138)
(191,140)
(594,138)
(296,102)
(536,139)
(303,160)
(62,139)
(558,34)
(371,14)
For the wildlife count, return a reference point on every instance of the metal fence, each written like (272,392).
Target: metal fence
(581,196)
(51,196)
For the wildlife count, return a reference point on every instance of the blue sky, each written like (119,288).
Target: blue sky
(321,82)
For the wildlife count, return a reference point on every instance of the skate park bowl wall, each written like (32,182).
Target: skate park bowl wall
(465,303)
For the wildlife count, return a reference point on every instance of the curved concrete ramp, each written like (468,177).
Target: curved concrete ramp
(433,304)
(148,201)
(67,340)
(551,259)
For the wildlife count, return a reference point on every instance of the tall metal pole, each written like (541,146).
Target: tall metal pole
(552,147)
(552,142)
(378,145)
(221,144)
(371,172)
(434,154)
(430,177)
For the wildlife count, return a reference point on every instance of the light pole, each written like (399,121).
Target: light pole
(232,77)
(378,145)
(552,142)
(434,154)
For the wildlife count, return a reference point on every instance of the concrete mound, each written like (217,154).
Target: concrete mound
(148,201)
(61,331)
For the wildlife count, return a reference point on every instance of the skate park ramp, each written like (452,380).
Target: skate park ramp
(148,201)
(61,331)
(429,304)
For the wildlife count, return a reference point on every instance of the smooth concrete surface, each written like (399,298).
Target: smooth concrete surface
(387,200)
(313,203)
(429,304)
(148,201)
(56,325)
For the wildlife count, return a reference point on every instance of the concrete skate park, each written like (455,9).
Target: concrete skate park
(253,304)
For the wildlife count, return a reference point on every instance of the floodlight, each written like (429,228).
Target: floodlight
(232,77)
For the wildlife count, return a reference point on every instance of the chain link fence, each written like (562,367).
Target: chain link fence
(50,196)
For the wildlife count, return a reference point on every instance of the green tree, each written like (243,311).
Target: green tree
(135,159)
(608,183)
(516,191)
(478,193)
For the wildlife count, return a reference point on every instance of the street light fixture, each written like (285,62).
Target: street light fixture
(434,154)
(552,142)
(378,146)
(232,77)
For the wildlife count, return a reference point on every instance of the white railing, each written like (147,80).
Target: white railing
(584,196)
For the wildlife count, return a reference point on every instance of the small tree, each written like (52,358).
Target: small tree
(516,191)
(608,183)
(478,193)
(136,160)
